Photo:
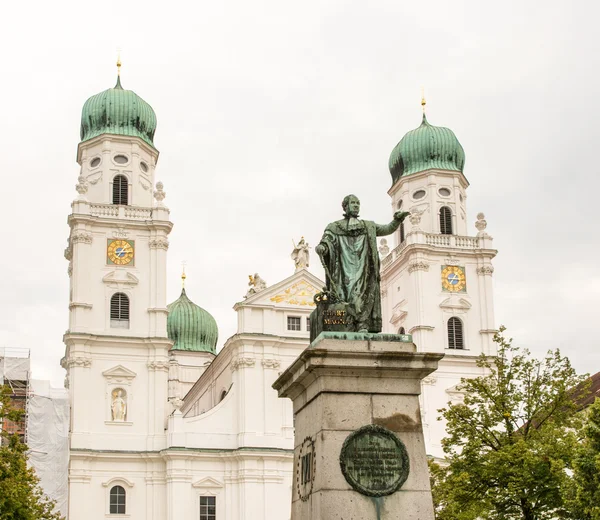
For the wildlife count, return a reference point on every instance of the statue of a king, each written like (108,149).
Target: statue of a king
(348,251)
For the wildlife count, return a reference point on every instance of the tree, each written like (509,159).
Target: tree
(21,497)
(585,494)
(511,441)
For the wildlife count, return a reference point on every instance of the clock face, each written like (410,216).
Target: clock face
(453,278)
(120,252)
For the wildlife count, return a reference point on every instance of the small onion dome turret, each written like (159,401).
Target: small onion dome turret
(191,327)
(425,148)
(118,111)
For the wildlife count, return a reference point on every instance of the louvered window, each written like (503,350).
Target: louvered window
(120,190)
(117,500)
(402,232)
(445,221)
(119,311)
(455,333)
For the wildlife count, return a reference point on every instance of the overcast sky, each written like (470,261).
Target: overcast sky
(269,112)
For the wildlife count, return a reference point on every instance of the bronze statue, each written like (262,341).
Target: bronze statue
(348,251)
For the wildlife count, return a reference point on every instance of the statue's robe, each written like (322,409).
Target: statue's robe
(352,262)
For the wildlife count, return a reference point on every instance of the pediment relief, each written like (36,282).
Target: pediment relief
(456,303)
(119,279)
(300,293)
(207,482)
(119,374)
(297,290)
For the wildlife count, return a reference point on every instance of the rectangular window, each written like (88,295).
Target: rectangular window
(294,323)
(308,324)
(208,508)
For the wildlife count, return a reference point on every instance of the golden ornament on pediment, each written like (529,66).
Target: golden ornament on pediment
(300,293)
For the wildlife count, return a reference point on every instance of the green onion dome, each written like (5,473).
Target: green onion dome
(425,148)
(191,327)
(118,111)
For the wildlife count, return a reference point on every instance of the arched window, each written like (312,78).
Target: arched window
(402,237)
(117,500)
(455,333)
(401,330)
(119,311)
(120,190)
(445,220)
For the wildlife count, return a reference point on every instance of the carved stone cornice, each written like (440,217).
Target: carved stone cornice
(82,305)
(158,365)
(485,270)
(242,362)
(271,363)
(419,265)
(159,243)
(81,236)
(416,328)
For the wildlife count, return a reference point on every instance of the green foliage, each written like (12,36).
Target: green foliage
(21,497)
(584,496)
(511,441)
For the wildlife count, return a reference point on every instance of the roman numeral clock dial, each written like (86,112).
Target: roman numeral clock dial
(120,252)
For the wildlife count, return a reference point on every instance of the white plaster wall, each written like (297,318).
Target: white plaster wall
(99,178)
(431,181)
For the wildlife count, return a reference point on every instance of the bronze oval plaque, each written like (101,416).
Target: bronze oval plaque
(305,468)
(374,461)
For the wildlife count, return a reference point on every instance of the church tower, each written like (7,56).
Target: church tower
(116,345)
(437,282)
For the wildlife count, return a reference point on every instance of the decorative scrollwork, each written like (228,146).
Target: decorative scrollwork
(271,363)
(419,265)
(242,362)
(485,270)
(81,236)
(159,243)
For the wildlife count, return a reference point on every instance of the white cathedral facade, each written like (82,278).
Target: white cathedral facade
(163,427)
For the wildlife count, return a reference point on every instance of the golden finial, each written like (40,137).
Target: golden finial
(118,62)
(183,276)
(423,102)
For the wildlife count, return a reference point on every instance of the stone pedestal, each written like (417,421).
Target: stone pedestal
(341,383)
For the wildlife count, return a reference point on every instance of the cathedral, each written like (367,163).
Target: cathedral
(165,428)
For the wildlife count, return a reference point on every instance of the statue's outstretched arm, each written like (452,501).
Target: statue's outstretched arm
(382,230)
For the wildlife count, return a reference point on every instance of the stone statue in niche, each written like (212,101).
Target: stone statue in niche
(384,249)
(118,405)
(256,284)
(300,254)
(349,254)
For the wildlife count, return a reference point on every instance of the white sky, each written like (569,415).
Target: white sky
(269,112)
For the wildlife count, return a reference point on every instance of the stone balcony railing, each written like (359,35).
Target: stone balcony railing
(437,240)
(114,211)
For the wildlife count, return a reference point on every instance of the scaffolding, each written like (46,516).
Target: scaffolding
(15,372)
(44,426)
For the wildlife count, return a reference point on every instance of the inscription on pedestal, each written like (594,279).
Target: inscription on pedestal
(305,468)
(374,461)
